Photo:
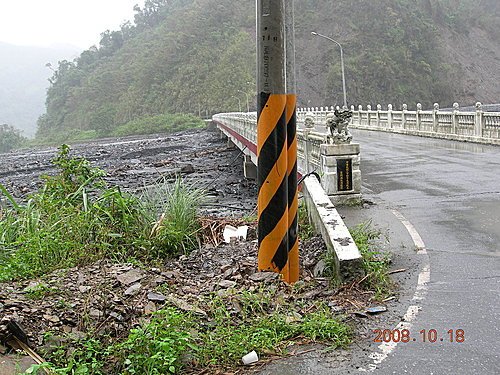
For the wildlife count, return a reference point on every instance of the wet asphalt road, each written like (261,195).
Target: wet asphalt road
(450,192)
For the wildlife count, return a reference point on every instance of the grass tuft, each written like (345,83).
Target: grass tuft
(76,219)
(375,263)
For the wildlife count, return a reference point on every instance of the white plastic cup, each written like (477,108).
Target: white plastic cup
(250,358)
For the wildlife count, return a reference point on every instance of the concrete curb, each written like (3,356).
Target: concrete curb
(327,221)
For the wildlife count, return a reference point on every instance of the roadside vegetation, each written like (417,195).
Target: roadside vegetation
(173,341)
(10,138)
(76,219)
(375,263)
(158,124)
(164,123)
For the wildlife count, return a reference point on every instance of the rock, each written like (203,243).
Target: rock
(187,169)
(84,289)
(263,276)
(130,277)
(133,289)
(360,314)
(227,284)
(225,267)
(183,305)
(3,349)
(116,316)
(319,268)
(52,318)
(376,309)
(156,297)
(150,308)
(158,280)
(171,274)
(95,313)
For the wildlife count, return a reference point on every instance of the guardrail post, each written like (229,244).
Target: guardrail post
(478,120)
(435,119)
(418,119)
(403,116)
(389,116)
(454,118)
(379,108)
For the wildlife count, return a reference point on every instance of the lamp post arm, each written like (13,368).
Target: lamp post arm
(248,104)
(341,62)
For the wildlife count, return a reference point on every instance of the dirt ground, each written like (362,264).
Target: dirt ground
(112,298)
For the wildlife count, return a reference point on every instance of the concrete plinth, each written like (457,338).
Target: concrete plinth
(249,168)
(341,174)
(230,144)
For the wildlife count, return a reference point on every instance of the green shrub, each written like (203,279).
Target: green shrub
(176,206)
(166,123)
(76,219)
(173,340)
(10,138)
(157,347)
(375,263)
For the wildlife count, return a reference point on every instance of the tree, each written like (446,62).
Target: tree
(10,138)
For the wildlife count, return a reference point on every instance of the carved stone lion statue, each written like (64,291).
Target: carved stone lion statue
(338,124)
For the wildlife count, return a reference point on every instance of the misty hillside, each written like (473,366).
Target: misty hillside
(194,55)
(24,83)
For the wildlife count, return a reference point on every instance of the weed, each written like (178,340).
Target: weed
(172,339)
(263,325)
(40,291)
(250,218)
(157,347)
(76,219)
(375,264)
(306,230)
(175,230)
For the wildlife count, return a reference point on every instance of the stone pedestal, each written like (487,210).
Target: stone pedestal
(341,175)
(249,168)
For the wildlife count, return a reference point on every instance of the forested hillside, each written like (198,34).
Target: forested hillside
(195,55)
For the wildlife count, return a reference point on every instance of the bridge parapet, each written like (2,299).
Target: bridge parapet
(474,126)
(338,165)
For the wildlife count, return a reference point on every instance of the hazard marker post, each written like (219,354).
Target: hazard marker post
(273,147)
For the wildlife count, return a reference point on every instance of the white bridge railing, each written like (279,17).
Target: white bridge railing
(308,141)
(476,126)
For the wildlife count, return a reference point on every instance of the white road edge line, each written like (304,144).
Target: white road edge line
(420,292)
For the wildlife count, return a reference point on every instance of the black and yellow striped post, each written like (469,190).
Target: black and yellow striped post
(272,145)
(291,273)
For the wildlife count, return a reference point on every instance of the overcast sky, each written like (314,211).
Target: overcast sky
(53,22)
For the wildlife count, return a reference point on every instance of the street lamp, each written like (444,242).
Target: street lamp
(341,62)
(239,102)
(248,105)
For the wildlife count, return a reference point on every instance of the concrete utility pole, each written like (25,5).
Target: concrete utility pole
(291,120)
(272,145)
